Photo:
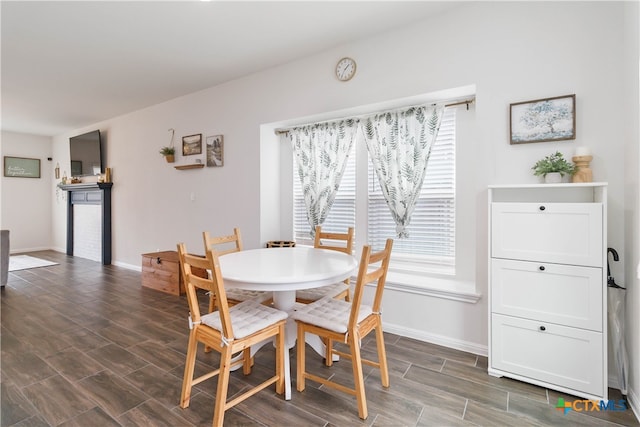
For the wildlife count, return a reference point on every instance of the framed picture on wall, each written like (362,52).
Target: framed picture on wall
(549,119)
(192,144)
(76,167)
(21,167)
(215,150)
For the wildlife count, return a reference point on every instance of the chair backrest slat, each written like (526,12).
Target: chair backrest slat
(328,240)
(214,284)
(224,244)
(369,272)
(190,283)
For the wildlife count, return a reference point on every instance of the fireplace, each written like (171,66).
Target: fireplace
(89,220)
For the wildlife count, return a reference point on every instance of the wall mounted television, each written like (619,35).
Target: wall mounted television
(86,154)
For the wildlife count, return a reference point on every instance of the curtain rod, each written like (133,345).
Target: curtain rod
(453,104)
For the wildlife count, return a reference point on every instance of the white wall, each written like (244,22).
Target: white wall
(510,51)
(632,197)
(26,202)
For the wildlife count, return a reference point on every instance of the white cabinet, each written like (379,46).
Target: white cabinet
(547,286)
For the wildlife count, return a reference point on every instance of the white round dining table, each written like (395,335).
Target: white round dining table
(283,271)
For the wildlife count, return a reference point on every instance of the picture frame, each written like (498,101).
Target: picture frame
(76,167)
(542,120)
(215,151)
(21,167)
(192,144)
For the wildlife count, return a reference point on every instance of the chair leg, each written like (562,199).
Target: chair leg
(328,355)
(358,377)
(382,354)
(247,361)
(212,307)
(212,303)
(280,355)
(301,358)
(223,386)
(189,367)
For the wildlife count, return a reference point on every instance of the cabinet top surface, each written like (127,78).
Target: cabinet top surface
(561,185)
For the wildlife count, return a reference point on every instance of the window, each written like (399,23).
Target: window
(431,242)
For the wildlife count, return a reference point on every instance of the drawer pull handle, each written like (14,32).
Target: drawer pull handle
(541,268)
(542,208)
(542,328)
(158,261)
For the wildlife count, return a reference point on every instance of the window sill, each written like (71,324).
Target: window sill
(452,289)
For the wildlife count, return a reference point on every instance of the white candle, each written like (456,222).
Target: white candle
(583,151)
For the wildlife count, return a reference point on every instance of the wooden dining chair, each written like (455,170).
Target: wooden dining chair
(348,322)
(342,242)
(223,245)
(229,330)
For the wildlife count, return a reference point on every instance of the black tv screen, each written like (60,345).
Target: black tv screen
(86,154)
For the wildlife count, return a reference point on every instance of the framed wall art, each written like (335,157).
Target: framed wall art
(549,119)
(192,144)
(215,150)
(76,167)
(21,167)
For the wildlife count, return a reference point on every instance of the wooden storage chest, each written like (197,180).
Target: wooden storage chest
(161,271)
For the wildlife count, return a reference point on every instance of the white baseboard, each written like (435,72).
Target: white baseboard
(13,251)
(442,340)
(127,266)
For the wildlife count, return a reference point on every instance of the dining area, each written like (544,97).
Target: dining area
(96,348)
(282,297)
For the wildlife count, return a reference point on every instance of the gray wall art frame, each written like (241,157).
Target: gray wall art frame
(547,119)
(21,167)
(215,150)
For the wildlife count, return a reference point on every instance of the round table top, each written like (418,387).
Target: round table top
(282,269)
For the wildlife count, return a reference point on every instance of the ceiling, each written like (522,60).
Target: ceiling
(66,65)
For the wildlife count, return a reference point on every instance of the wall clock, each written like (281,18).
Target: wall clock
(345,69)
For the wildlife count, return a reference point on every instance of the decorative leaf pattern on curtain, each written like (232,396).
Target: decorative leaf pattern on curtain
(399,143)
(321,151)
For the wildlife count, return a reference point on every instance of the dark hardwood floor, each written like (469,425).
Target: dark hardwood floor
(85,345)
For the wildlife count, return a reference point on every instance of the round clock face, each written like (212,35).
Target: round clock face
(345,69)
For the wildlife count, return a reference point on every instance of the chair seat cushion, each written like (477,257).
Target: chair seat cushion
(247,318)
(329,313)
(245,295)
(315,294)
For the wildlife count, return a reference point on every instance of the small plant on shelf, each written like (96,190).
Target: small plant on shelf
(168,153)
(553,163)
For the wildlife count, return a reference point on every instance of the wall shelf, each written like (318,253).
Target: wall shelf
(192,166)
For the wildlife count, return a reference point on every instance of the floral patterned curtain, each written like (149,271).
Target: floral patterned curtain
(399,144)
(321,151)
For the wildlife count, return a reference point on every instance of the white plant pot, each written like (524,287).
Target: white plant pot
(553,178)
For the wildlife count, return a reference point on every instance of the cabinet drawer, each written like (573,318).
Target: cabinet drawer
(562,294)
(563,233)
(567,357)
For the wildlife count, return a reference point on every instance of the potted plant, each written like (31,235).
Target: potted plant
(169,154)
(553,168)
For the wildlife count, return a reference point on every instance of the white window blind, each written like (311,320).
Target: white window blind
(432,230)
